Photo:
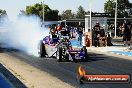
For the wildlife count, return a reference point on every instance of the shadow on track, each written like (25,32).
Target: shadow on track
(2,50)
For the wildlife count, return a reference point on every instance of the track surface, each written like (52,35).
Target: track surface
(67,71)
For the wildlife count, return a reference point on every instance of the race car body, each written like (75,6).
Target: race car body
(70,48)
(63,46)
(47,46)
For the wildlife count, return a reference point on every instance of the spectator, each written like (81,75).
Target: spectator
(96,34)
(121,30)
(127,32)
(80,32)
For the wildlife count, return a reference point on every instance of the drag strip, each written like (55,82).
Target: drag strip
(67,71)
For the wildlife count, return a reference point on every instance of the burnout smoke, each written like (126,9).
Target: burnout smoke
(24,34)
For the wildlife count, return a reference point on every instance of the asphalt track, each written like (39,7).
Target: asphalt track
(67,71)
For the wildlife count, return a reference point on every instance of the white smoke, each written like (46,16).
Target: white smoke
(24,34)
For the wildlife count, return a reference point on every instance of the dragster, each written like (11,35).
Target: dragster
(63,47)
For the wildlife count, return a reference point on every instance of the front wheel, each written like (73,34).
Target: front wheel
(85,53)
(67,57)
(59,54)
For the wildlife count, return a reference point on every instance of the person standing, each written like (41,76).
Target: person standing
(96,34)
(127,33)
(80,33)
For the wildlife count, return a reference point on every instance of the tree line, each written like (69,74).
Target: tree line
(124,10)
(53,15)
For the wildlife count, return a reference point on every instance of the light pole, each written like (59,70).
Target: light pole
(43,10)
(115,19)
(90,15)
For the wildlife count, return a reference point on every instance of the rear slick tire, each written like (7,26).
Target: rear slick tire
(42,49)
(86,54)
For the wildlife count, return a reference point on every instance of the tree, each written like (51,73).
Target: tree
(22,12)
(80,13)
(67,14)
(3,16)
(51,15)
(3,13)
(59,17)
(109,7)
(124,7)
(37,9)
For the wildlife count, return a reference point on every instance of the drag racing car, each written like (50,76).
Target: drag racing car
(70,48)
(64,48)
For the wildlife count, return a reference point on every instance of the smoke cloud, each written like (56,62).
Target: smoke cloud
(23,34)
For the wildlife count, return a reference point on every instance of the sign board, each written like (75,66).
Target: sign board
(101,15)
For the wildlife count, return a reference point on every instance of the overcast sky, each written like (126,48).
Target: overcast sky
(13,7)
